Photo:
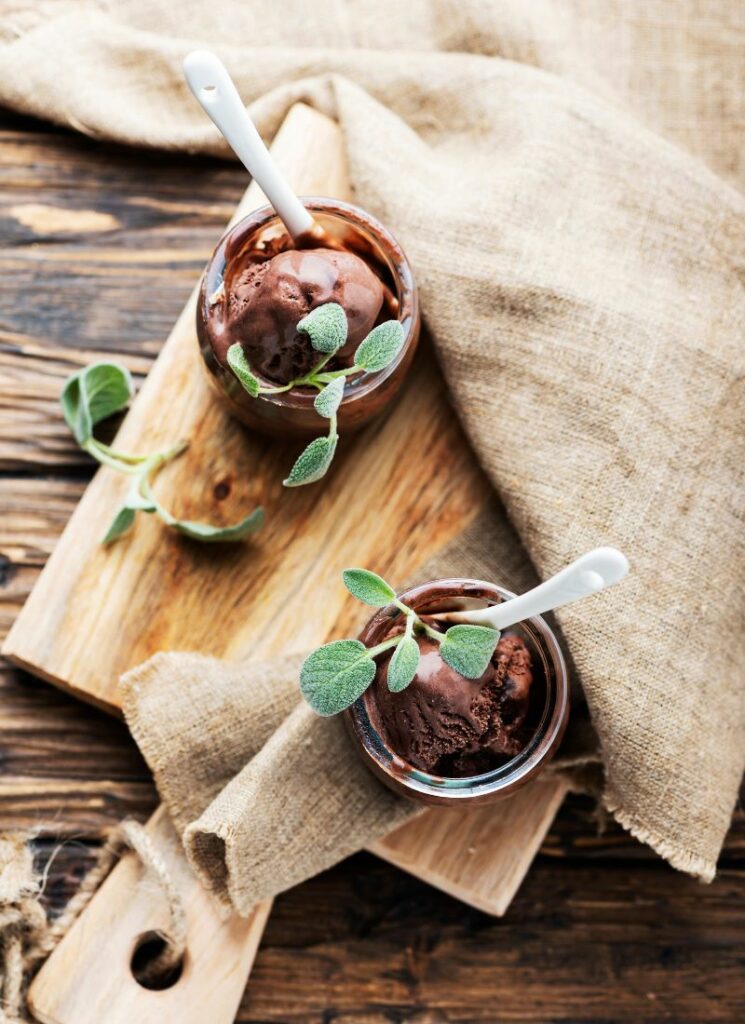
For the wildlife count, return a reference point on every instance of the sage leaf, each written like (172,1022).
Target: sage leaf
(93,394)
(336,675)
(312,463)
(326,326)
(468,649)
(219,534)
(239,365)
(403,665)
(381,346)
(121,522)
(368,587)
(328,401)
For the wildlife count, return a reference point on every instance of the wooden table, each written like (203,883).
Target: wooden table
(100,247)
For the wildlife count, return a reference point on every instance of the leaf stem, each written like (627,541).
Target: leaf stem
(326,378)
(385,645)
(413,618)
(439,637)
(113,461)
(131,459)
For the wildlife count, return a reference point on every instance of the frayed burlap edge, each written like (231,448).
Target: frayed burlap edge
(680,859)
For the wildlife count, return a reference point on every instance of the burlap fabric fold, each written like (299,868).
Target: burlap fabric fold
(550,169)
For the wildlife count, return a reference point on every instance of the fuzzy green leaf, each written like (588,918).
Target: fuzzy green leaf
(220,534)
(120,524)
(239,365)
(403,665)
(368,587)
(380,347)
(312,463)
(468,649)
(92,394)
(326,326)
(336,675)
(329,400)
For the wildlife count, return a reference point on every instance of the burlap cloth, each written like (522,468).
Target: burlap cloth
(545,166)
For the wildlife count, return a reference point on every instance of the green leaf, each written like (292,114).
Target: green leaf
(368,587)
(92,394)
(219,534)
(75,410)
(239,365)
(329,400)
(381,346)
(336,675)
(109,388)
(312,463)
(121,523)
(326,326)
(468,649)
(403,665)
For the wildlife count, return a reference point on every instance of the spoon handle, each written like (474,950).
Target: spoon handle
(216,93)
(592,572)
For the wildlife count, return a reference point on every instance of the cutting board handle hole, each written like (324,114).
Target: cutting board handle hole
(147,963)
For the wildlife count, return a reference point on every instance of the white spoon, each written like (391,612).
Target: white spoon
(215,91)
(592,572)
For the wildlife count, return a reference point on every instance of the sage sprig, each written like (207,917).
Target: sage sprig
(97,392)
(326,327)
(336,675)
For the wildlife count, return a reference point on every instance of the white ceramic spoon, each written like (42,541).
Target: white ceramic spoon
(215,91)
(592,572)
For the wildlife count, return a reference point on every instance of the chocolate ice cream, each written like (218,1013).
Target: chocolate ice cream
(267,298)
(447,725)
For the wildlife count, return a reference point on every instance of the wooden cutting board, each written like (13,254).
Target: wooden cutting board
(96,612)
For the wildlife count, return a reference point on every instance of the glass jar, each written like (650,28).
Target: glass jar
(549,709)
(366,395)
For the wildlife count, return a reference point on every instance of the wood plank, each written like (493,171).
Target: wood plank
(583,943)
(479,856)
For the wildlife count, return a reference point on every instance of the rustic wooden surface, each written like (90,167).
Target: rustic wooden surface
(601,931)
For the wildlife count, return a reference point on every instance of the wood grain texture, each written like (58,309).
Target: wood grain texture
(601,930)
(80,984)
(480,856)
(375,496)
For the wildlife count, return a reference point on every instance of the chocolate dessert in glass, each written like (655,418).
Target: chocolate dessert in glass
(260,284)
(448,739)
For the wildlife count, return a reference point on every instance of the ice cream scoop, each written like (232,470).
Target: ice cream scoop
(267,298)
(448,725)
